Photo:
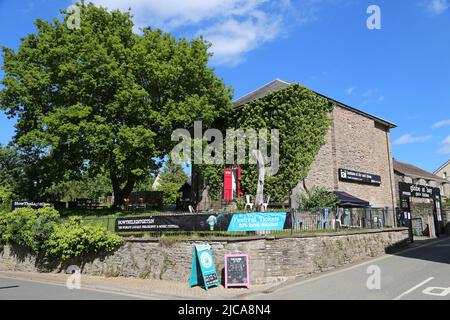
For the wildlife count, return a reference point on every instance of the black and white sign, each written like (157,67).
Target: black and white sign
(416,191)
(191,222)
(30,204)
(359,177)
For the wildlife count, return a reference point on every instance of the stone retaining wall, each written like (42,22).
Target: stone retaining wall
(272,259)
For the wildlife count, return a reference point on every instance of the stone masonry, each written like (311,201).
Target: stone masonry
(358,143)
(271,259)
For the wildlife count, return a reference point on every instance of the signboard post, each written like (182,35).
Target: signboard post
(203,272)
(237,271)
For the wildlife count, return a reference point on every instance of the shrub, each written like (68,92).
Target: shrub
(447,203)
(318,198)
(28,227)
(6,196)
(73,239)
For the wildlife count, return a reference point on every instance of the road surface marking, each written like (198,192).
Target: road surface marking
(413,288)
(345,269)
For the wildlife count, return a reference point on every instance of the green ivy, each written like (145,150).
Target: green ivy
(302,118)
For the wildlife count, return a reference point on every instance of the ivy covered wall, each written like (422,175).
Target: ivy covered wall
(301,116)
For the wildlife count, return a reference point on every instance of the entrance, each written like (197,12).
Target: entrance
(405,216)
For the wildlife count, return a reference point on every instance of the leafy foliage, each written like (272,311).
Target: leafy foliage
(171,180)
(41,231)
(10,173)
(318,198)
(73,239)
(302,118)
(447,203)
(105,98)
(28,227)
(6,197)
(84,188)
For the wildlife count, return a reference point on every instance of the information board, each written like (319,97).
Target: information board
(203,271)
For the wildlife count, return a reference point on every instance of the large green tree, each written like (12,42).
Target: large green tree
(105,98)
(172,178)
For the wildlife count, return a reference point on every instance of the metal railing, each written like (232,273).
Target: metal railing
(301,222)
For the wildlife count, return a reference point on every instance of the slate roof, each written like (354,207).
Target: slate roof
(409,170)
(278,84)
(442,167)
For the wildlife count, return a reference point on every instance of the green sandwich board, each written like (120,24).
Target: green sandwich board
(203,272)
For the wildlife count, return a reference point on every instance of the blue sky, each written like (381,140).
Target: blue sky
(400,73)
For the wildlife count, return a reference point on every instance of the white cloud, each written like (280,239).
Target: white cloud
(369,92)
(445,146)
(442,123)
(408,138)
(234,27)
(350,90)
(233,38)
(438,6)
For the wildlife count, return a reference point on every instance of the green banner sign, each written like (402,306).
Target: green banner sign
(203,272)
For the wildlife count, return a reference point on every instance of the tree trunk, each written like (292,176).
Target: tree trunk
(261,175)
(121,193)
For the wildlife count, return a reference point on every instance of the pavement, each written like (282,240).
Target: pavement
(31,286)
(420,272)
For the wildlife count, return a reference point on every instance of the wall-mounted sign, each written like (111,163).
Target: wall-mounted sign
(359,177)
(415,191)
(237,271)
(203,271)
(256,221)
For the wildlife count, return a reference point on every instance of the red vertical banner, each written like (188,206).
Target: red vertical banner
(239,172)
(228,184)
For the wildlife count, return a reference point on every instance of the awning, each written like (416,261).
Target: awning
(347,200)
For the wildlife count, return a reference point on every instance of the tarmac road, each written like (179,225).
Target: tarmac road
(15,289)
(421,273)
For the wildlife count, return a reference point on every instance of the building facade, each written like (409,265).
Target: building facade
(411,174)
(421,194)
(356,158)
(444,171)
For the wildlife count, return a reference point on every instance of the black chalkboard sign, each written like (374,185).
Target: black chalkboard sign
(237,272)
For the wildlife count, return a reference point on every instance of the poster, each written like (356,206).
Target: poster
(258,221)
(255,221)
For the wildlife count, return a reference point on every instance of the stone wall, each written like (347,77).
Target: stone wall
(272,259)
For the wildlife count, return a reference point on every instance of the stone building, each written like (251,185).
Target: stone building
(411,174)
(356,159)
(444,171)
(421,194)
